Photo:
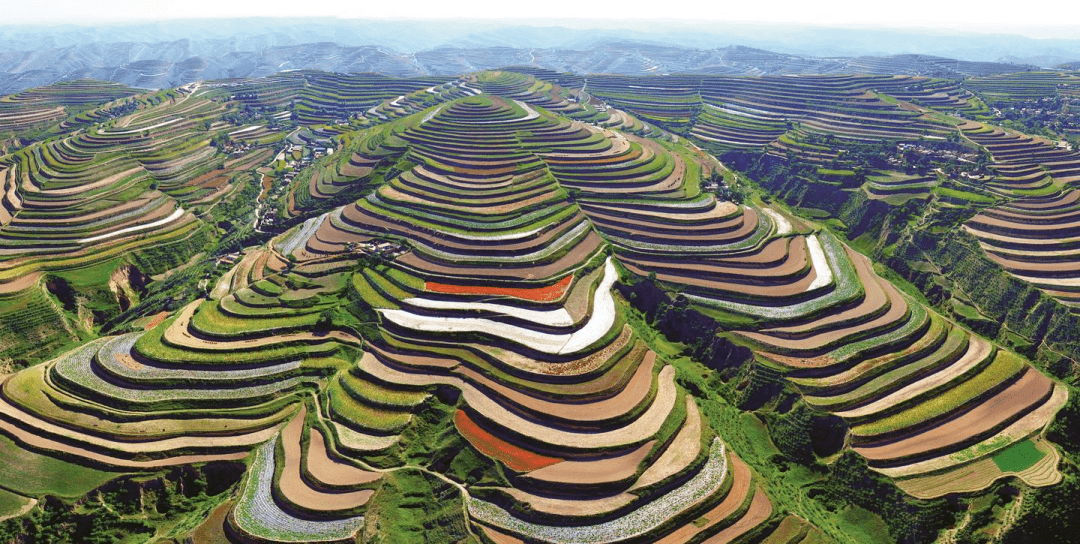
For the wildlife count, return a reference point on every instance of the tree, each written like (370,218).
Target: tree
(325,322)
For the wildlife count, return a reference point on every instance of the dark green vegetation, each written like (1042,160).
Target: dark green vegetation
(318,307)
(1018,457)
(148,507)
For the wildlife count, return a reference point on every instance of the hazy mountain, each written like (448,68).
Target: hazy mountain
(171,53)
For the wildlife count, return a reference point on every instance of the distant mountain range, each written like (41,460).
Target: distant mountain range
(169,54)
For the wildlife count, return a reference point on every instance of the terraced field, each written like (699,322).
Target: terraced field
(894,369)
(1010,88)
(749,113)
(505,296)
(320,98)
(107,191)
(118,191)
(1032,235)
(810,119)
(44,105)
(908,381)
(444,309)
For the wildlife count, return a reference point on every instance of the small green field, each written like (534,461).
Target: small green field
(1018,457)
(964,310)
(34,475)
(11,503)
(865,525)
(963,195)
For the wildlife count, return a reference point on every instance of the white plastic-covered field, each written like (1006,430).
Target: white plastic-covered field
(257,514)
(847,285)
(783,226)
(552,318)
(140,129)
(301,236)
(600,322)
(821,266)
(179,212)
(637,523)
(113,355)
(77,367)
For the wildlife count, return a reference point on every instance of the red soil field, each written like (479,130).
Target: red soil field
(514,457)
(155,320)
(538,294)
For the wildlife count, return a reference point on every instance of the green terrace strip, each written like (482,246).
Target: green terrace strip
(76,371)
(1004,366)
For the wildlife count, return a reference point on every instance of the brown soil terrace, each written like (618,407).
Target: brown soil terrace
(297,491)
(1031,390)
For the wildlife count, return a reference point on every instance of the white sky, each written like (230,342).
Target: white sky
(1037,19)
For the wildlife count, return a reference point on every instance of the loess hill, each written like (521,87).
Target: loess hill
(522,306)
